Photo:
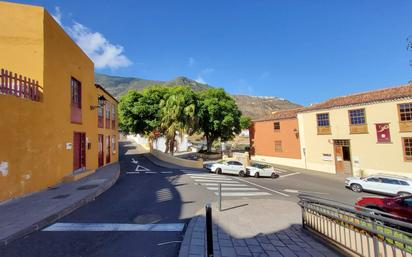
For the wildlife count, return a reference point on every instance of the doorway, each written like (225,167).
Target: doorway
(79,152)
(100,148)
(107,149)
(343,160)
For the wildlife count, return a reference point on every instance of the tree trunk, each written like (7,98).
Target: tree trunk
(172,143)
(167,143)
(209,142)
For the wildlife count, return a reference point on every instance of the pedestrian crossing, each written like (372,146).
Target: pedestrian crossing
(230,186)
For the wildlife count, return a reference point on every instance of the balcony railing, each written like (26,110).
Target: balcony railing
(19,86)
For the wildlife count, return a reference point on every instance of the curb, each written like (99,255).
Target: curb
(184,246)
(53,217)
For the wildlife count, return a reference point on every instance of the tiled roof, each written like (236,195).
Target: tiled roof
(281,114)
(363,98)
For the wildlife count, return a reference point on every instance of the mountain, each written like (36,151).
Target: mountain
(253,106)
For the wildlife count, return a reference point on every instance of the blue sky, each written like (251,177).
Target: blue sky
(304,51)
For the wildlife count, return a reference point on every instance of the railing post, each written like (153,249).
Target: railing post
(209,231)
(375,240)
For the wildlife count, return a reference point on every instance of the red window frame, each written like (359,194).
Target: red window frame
(107,115)
(76,93)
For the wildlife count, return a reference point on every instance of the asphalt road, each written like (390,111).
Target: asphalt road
(163,197)
(158,195)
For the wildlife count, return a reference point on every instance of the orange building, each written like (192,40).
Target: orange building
(276,137)
(50,105)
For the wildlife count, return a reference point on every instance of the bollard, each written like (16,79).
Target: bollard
(209,231)
(220,196)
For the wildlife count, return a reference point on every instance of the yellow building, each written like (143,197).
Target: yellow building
(359,134)
(48,125)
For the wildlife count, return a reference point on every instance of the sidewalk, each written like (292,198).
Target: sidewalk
(27,214)
(254,227)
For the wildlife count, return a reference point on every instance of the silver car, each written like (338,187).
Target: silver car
(381,183)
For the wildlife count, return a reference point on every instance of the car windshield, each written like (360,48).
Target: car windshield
(260,165)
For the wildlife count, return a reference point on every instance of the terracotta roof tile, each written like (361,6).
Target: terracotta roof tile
(281,114)
(363,98)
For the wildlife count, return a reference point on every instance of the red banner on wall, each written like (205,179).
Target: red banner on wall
(382,132)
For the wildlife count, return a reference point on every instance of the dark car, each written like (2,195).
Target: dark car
(401,207)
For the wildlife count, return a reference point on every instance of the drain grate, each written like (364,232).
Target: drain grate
(87,187)
(60,196)
(147,219)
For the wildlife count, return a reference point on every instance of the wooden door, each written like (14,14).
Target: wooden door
(79,151)
(100,148)
(339,163)
(107,149)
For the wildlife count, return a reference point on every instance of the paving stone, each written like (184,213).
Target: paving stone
(303,245)
(196,249)
(238,242)
(268,247)
(273,254)
(251,241)
(302,254)
(263,239)
(227,251)
(272,236)
(277,243)
(199,235)
(260,255)
(286,252)
(242,250)
(314,252)
(196,241)
(256,248)
(225,242)
(294,247)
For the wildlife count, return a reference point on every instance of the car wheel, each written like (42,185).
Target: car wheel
(377,221)
(356,188)
(404,194)
(241,173)
(218,171)
(256,174)
(274,175)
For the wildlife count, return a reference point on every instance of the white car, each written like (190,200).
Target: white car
(228,167)
(380,183)
(261,170)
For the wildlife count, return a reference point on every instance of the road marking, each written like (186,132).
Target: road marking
(171,227)
(211,180)
(191,171)
(271,190)
(233,189)
(170,242)
(223,184)
(133,172)
(290,174)
(141,168)
(243,193)
(134,161)
(298,191)
(166,172)
(150,172)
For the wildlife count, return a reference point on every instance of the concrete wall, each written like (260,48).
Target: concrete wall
(367,155)
(177,161)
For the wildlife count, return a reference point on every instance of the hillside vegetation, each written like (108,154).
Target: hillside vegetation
(252,106)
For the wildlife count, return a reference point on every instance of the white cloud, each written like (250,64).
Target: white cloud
(199,79)
(57,15)
(202,74)
(191,62)
(207,71)
(103,53)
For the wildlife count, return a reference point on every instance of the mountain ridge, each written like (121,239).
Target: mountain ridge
(255,107)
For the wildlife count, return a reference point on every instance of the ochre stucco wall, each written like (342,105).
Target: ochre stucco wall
(371,157)
(263,137)
(34,135)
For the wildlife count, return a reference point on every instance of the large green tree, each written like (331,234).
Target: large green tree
(178,114)
(245,122)
(219,116)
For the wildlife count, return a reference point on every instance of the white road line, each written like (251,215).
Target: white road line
(223,184)
(211,180)
(191,171)
(214,178)
(290,174)
(299,191)
(133,172)
(233,189)
(170,242)
(271,190)
(141,168)
(243,193)
(150,172)
(166,172)
(171,227)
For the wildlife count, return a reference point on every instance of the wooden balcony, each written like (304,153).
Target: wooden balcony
(359,129)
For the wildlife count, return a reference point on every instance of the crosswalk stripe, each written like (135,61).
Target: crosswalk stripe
(133,172)
(172,227)
(243,193)
(233,189)
(166,172)
(223,184)
(211,180)
(216,178)
(150,172)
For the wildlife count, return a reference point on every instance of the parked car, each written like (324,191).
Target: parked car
(229,167)
(401,207)
(380,183)
(261,170)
